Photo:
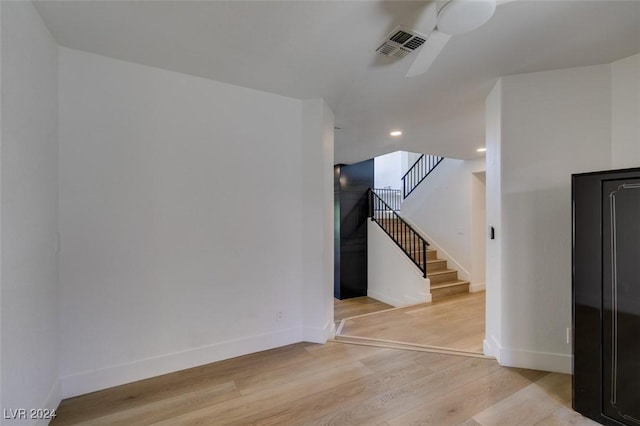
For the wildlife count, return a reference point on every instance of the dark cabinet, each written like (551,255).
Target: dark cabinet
(351,183)
(606,296)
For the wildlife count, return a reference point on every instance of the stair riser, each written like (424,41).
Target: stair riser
(443,278)
(438,265)
(416,255)
(449,291)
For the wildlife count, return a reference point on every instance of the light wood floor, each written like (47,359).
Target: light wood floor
(335,384)
(456,322)
(356,306)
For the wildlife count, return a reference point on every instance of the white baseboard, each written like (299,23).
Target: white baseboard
(557,363)
(90,381)
(51,402)
(389,300)
(544,361)
(474,288)
(319,335)
(398,302)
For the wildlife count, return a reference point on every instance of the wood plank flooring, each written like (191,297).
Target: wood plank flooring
(456,322)
(356,306)
(338,384)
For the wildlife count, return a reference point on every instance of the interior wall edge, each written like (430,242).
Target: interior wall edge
(319,334)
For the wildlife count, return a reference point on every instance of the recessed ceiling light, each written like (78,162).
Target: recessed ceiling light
(396,133)
(483,149)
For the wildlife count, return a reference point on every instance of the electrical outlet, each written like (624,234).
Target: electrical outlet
(279,315)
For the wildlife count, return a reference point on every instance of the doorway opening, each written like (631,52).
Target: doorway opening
(454,323)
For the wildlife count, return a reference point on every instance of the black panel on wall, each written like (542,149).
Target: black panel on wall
(606,296)
(351,183)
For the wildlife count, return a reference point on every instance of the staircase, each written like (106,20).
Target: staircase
(444,281)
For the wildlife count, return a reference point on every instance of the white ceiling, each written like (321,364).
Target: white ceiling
(310,49)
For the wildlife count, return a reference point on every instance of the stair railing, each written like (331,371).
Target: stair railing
(418,172)
(393,197)
(403,234)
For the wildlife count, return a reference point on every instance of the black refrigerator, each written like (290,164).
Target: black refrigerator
(606,296)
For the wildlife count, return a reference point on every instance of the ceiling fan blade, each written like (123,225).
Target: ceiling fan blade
(428,18)
(428,53)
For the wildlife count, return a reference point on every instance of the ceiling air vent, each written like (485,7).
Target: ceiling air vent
(401,42)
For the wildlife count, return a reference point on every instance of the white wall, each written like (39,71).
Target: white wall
(408,160)
(29,212)
(388,170)
(184,239)
(440,207)
(393,278)
(625,113)
(552,124)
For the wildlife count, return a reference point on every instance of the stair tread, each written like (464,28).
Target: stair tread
(441,272)
(449,284)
